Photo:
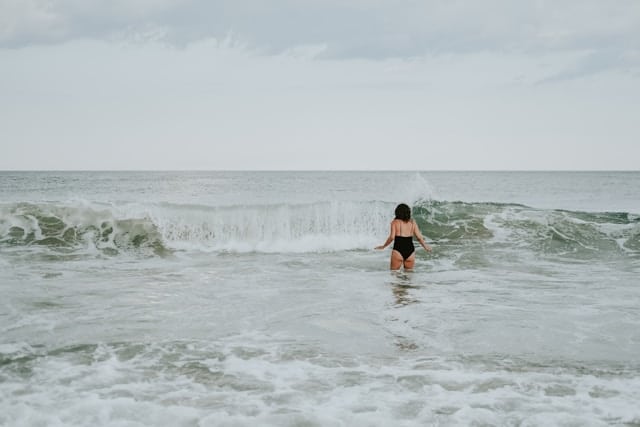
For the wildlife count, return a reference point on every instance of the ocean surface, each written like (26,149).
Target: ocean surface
(256,299)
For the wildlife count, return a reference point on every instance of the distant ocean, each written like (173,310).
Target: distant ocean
(256,299)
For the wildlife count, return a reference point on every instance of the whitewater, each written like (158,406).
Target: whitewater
(256,298)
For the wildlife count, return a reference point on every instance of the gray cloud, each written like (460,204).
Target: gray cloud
(595,62)
(94,104)
(375,29)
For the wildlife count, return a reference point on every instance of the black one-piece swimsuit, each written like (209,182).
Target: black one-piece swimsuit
(404,245)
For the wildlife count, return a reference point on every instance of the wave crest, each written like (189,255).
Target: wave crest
(67,228)
(159,229)
(555,232)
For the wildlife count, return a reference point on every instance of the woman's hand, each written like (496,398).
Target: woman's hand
(380,247)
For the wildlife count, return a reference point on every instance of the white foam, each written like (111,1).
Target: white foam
(316,227)
(495,224)
(263,380)
(416,190)
(16,349)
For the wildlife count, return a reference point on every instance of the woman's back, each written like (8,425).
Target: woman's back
(403,228)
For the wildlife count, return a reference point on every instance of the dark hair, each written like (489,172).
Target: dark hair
(403,212)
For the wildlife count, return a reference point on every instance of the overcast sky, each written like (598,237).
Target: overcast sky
(320,84)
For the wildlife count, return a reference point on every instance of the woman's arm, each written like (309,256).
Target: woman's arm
(392,235)
(418,234)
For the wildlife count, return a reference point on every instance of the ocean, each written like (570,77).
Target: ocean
(257,299)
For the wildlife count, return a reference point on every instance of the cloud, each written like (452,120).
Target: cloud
(22,22)
(595,62)
(373,28)
(99,105)
(602,34)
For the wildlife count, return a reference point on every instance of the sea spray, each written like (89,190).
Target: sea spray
(313,227)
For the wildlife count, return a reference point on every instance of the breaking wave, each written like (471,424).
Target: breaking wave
(549,231)
(68,228)
(159,229)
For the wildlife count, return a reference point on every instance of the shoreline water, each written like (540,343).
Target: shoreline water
(227,299)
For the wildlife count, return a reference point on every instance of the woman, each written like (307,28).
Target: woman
(403,228)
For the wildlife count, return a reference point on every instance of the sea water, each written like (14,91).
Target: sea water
(256,299)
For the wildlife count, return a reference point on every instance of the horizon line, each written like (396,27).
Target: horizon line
(319,170)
